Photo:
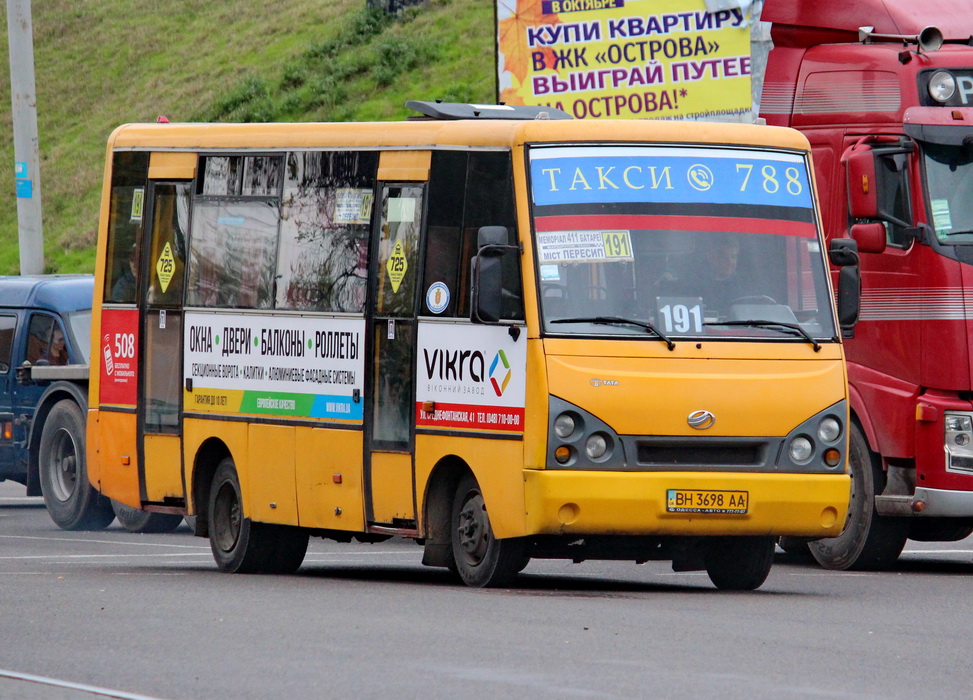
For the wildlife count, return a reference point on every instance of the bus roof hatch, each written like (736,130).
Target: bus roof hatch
(462,110)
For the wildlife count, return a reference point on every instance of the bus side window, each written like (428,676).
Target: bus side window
(467,190)
(325,223)
(130,171)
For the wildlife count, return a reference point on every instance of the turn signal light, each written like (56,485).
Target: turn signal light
(562,454)
(832,457)
(8,430)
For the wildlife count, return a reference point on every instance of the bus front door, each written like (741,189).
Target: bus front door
(390,423)
(159,427)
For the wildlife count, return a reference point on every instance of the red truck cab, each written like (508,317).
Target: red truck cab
(883,90)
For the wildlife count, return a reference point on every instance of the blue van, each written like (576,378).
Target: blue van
(45,346)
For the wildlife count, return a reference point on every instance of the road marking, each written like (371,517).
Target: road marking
(92,689)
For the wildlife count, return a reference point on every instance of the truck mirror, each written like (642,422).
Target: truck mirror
(862,182)
(871,238)
(487,283)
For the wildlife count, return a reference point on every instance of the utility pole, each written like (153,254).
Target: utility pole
(27,164)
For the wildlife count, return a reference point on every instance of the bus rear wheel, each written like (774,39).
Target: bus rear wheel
(137,520)
(242,546)
(480,558)
(869,540)
(71,501)
(739,563)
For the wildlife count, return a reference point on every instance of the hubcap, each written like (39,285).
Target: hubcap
(227,518)
(474,529)
(64,465)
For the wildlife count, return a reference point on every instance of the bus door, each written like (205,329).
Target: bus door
(390,414)
(160,381)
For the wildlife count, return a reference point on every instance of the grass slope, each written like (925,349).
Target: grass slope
(101,63)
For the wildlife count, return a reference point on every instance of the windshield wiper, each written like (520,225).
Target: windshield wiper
(773,325)
(617,320)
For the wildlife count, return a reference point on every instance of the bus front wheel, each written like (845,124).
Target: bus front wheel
(480,558)
(739,563)
(242,546)
(71,501)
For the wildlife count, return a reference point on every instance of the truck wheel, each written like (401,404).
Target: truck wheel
(137,520)
(72,502)
(242,546)
(481,559)
(940,529)
(739,563)
(869,540)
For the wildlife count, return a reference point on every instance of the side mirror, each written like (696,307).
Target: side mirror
(870,238)
(487,283)
(849,299)
(862,182)
(843,252)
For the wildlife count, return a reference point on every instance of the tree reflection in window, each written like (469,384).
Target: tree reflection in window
(325,219)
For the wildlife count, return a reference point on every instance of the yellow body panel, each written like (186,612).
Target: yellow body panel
(391,486)
(619,503)
(323,502)
(163,468)
(654,394)
(112,456)
(273,488)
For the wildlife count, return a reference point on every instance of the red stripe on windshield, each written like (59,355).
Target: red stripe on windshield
(597,222)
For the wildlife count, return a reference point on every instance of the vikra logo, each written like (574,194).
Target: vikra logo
(467,366)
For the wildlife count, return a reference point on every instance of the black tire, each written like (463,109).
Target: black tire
(481,559)
(796,547)
(71,500)
(242,546)
(939,529)
(739,563)
(869,540)
(137,520)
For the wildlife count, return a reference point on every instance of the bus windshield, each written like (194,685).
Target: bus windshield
(679,242)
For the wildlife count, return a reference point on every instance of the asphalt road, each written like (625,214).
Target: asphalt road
(112,614)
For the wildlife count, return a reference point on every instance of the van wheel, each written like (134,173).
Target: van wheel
(137,520)
(242,546)
(869,540)
(481,559)
(71,501)
(739,563)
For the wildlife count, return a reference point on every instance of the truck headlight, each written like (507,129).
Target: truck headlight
(958,439)
(942,86)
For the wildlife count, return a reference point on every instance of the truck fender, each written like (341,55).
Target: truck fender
(860,412)
(54,393)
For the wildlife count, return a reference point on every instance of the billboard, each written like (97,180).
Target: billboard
(628,59)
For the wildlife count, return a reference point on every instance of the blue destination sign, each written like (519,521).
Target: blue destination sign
(600,175)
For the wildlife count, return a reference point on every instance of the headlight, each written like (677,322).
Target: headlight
(564,425)
(942,86)
(596,446)
(801,450)
(829,429)
(959,423)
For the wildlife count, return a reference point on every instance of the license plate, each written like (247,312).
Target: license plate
(720,502)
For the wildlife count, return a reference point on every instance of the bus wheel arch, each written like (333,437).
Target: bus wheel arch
(437,511)
(208,458)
